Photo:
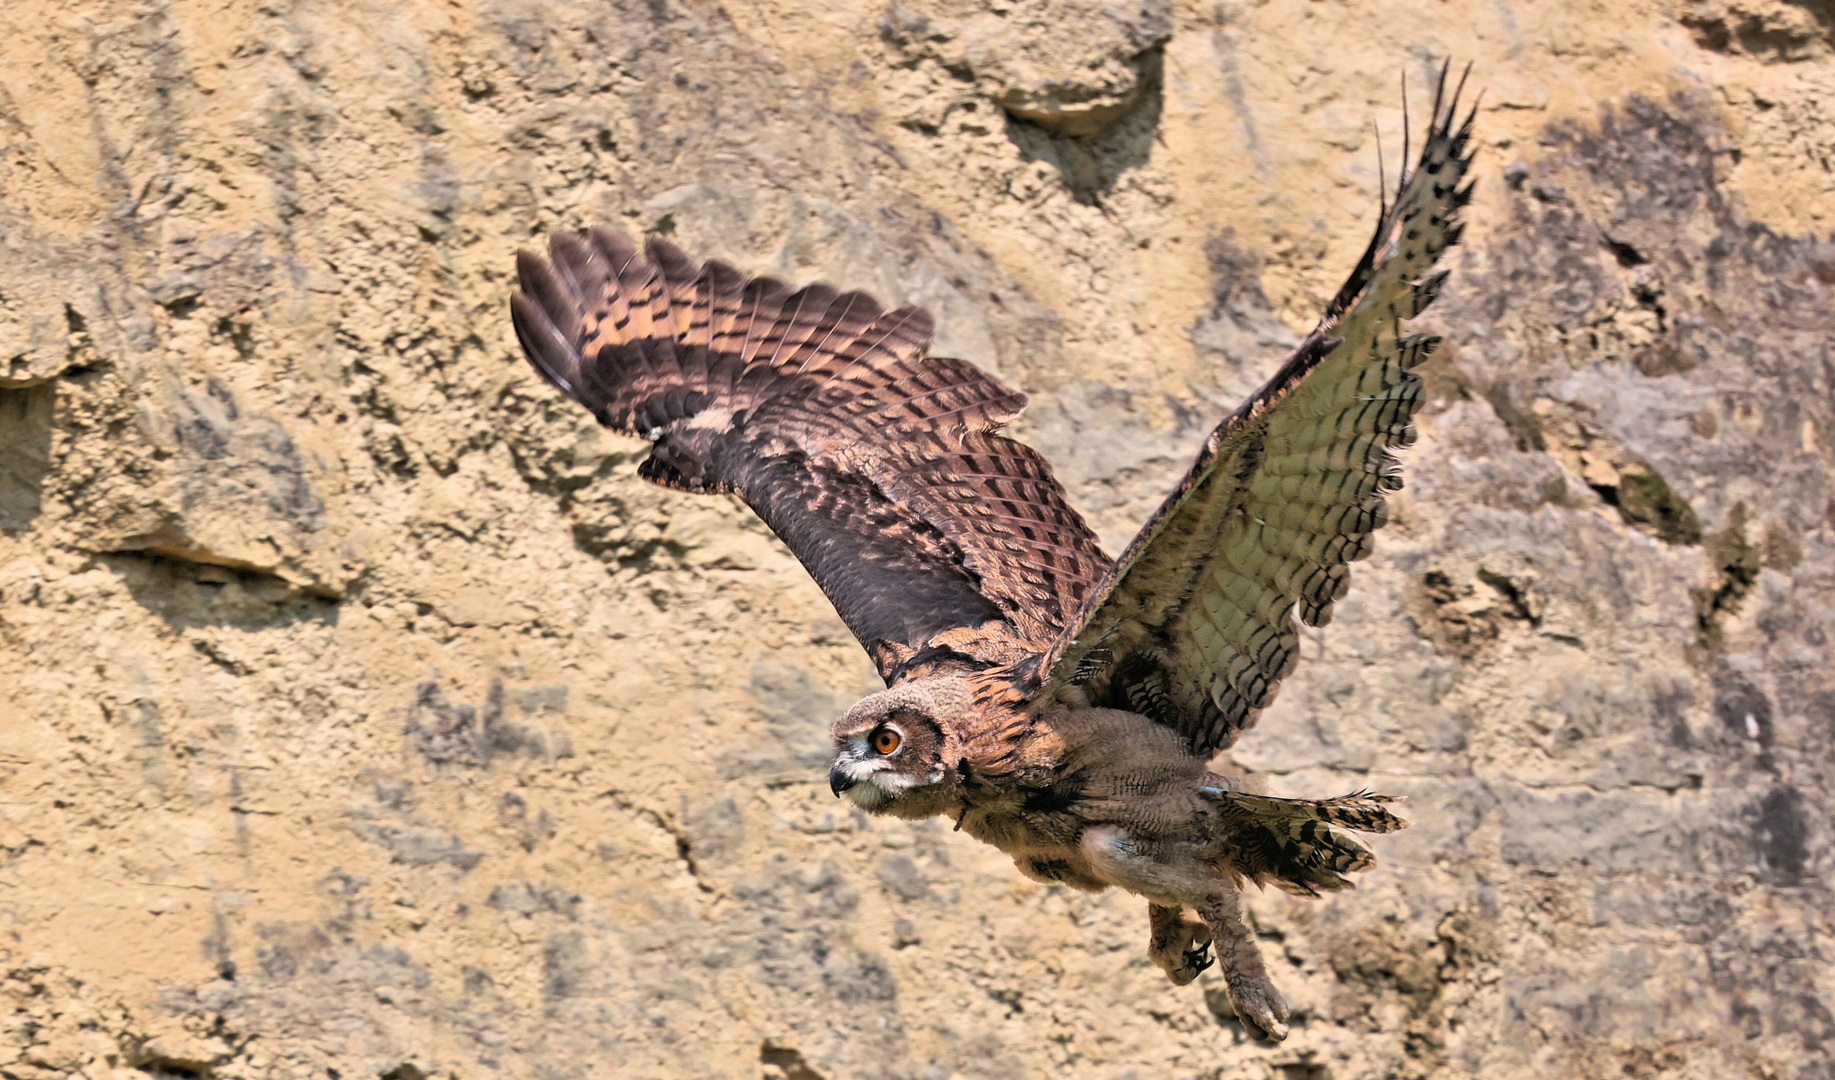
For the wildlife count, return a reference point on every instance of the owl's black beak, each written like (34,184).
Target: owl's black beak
(839,780)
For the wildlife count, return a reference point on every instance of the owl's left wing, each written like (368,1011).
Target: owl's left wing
(1194,625)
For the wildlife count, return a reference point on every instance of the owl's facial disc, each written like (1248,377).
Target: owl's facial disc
(865,766)
(874,766)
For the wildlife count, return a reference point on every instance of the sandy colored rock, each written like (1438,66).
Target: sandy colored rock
(1073,68)
(362,714)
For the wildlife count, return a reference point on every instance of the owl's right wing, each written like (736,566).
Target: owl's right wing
(1194,626)
(940,542)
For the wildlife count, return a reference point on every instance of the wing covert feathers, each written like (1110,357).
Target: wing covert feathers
(938,540)
(1194,626)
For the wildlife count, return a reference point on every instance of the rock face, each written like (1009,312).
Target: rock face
(362,714)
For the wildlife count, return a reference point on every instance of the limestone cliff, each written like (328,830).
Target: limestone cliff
(362,715)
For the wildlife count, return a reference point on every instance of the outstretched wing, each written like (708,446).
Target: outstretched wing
(1194,626)
(939,541)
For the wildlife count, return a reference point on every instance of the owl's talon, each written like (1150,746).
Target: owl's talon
(1181,948)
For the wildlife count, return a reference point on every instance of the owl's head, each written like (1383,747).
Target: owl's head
(895,751)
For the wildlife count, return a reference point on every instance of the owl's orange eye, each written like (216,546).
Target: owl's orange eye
(886,741)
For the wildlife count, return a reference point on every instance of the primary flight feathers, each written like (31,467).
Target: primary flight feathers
(944,545)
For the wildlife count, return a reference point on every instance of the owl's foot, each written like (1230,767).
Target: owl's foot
(1181,947)
(1260,1007)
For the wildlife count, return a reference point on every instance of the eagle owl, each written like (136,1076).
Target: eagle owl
(1053,702)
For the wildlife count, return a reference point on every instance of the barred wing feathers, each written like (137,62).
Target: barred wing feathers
(1291,843)
(1194,626)
(938,540)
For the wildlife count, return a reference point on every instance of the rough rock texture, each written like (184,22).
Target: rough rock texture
(362,715)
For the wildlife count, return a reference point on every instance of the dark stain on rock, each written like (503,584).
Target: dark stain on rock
(903,877)
(25,451)
(528,898)
(1781,834)
(473,734)
(1236,276)
(1645,501)
(1780,552)
(1743,710)
(566,969)
(1735,563)
(1670,707)
(1525,427)
(865,979)
(476,979)
(277,962)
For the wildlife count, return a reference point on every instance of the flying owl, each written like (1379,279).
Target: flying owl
(1049,700)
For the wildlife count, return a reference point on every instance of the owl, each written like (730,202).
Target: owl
(1053,702)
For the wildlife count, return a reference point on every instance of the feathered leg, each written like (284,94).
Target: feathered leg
(1180,946)
(1260,1007)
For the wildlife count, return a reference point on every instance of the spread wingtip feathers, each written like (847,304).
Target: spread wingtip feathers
(1287,490)
(1290,843)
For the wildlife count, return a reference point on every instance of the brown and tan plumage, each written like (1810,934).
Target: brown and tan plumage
(1053,703)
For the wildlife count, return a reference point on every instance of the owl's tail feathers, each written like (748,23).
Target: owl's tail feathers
(1289,843)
